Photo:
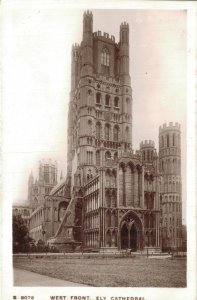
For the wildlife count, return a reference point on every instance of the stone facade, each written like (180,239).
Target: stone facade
(170,168)
(113,197)
(117,195)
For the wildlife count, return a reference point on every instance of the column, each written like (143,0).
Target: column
(142,192)
(135,187)
(124,190)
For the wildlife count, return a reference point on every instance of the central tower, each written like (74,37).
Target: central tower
(100,117)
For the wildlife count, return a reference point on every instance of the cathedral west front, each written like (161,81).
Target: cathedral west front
(113,197)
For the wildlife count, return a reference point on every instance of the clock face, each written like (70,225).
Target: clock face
(107,116)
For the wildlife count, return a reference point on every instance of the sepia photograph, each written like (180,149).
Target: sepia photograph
(97,127)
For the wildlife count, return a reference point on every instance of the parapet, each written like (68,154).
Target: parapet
(104,35)
(124,25)
(170,126)
(75,46)
(87,13)
(147,143)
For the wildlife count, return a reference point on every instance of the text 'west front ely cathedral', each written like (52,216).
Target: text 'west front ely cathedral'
(113,197)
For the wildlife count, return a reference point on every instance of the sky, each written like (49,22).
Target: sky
(37,67)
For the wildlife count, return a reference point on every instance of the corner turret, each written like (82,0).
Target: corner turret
(124,53)
(87,44)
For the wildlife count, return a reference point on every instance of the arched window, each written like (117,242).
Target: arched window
(105,57)
(90,126)
(98,158)
(173,139)
(61,210)
(167,140)
(107,100)
(107,132)
(98,131)
(127,133)
(98,98)
(116,102)
(115,156)
(107,155)
(116,133)
(162,141)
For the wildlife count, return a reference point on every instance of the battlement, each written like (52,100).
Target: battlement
(170,126)
(75,46)
(104,35)
(147,143)
(124,25)
(87,13)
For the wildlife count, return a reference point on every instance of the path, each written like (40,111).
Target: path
(27,278)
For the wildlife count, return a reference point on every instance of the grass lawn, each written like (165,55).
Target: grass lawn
(110,272)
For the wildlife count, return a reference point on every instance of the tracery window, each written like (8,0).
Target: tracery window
(116,102)
(107,132)
(105,57)
(98,130)
(98,98)
(98,158)
(90,126)
(107,100)
(107,155)
(116,133)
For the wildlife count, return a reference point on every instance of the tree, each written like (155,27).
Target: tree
(20,234)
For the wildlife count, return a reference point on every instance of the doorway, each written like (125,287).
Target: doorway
(124,237)
(133,238)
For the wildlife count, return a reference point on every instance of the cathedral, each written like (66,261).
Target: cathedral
(113,197)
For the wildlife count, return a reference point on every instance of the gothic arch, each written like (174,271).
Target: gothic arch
(98,158)
(107,100)
(107,154)
(98,98)
(131,229)
(105,56)
(116,102)
(113,199)
(116,156)
(98,130)
(107,131)
(116,133)
(134,216)
(108,218)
